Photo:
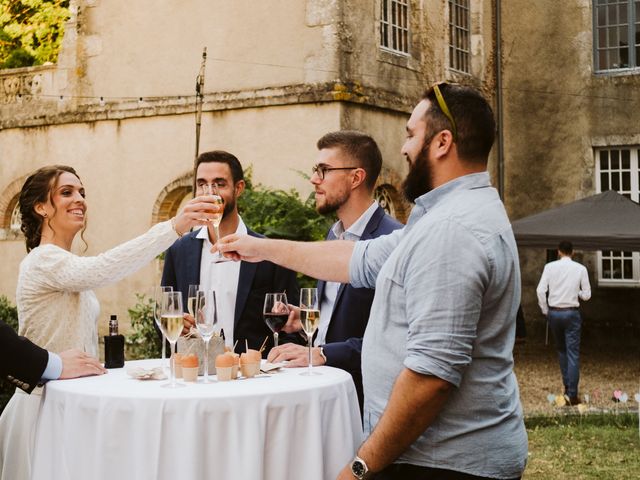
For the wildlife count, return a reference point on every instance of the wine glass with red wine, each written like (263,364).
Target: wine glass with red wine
(275,313)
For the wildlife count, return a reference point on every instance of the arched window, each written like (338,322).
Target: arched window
(392,201)
(172,198)
(384,196)
(16,219)
(10,211)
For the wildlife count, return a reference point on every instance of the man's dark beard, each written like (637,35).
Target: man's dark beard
(228,207)
(419,179)
(331,207)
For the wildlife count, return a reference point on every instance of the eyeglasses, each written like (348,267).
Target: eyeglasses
(212,187)
(445,109)
(321,170)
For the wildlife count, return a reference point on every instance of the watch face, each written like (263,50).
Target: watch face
(357,468)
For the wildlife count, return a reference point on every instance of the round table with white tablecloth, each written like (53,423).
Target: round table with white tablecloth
(277,426)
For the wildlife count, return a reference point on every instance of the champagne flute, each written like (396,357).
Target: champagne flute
(310,318)
(218,201)
(171,324)
(156,296)
(275,313)
(191,299)
(217,218)
(206,321)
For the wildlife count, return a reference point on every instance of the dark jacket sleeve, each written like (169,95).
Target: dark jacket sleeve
(168,270)
(22,363)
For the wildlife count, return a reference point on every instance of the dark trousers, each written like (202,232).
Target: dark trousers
(566,325)
(405,471)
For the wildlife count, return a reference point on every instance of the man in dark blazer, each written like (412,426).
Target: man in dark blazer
(344,178)
(24,364)
(240,287)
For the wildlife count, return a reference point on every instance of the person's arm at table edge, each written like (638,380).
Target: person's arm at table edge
(25,363)
(71,364)
(415,402)
(327,260)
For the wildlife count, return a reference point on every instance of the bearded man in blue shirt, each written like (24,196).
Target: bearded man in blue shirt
(441,398)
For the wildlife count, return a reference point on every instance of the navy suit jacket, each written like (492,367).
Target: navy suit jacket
(182,268)
(343,343)
(21,362)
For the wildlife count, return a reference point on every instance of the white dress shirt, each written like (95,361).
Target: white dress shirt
(330,292)
(223,278)
(566,281)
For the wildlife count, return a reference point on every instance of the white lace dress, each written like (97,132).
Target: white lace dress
(58,310)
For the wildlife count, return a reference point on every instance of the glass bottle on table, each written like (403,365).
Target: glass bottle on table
(206,321)
(310,319)
(171,325)
(156,297)
(275,313)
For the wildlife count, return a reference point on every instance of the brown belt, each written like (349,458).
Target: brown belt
(563,308)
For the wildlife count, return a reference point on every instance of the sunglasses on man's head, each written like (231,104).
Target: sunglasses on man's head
(444,108)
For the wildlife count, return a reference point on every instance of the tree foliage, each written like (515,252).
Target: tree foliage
(31,31)
(282,214)
(143,340)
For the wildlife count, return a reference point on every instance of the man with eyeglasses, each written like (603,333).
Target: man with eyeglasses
(344,178)
(240,287)
(441,398)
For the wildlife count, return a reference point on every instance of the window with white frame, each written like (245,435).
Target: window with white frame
(616,34)
(394,25)
(459,35)
(618,168)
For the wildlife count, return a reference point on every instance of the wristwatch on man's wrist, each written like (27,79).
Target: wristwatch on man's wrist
(322,355)
(359,468)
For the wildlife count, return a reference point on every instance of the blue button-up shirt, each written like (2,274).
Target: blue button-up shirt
(447,292)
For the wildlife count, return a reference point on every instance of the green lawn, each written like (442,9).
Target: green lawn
(576,448)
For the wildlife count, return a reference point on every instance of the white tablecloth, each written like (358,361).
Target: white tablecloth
(281,426)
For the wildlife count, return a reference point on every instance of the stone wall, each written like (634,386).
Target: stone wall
(557,110)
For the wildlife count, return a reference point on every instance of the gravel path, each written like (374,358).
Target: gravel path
(604,369)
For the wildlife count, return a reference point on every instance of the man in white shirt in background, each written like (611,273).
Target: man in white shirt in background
(567,282)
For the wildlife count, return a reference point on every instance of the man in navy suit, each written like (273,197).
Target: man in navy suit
(240,286)
(344,178)
(24,364)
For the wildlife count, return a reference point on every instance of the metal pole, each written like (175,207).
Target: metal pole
(199,102)
(499,100)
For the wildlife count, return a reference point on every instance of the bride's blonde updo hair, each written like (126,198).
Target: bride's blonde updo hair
(38,188)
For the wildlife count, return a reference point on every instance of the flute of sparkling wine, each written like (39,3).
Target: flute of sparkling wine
(191,299)
(217,218)
(171,325)
(191,306)
(206,321)
(310,318)
(156,295)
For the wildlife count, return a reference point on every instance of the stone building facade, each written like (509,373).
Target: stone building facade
(119,105)
(571,78)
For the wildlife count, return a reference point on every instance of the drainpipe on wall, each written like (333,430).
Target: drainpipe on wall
(499,101)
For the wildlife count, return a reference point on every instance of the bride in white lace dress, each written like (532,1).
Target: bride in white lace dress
(57,308)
